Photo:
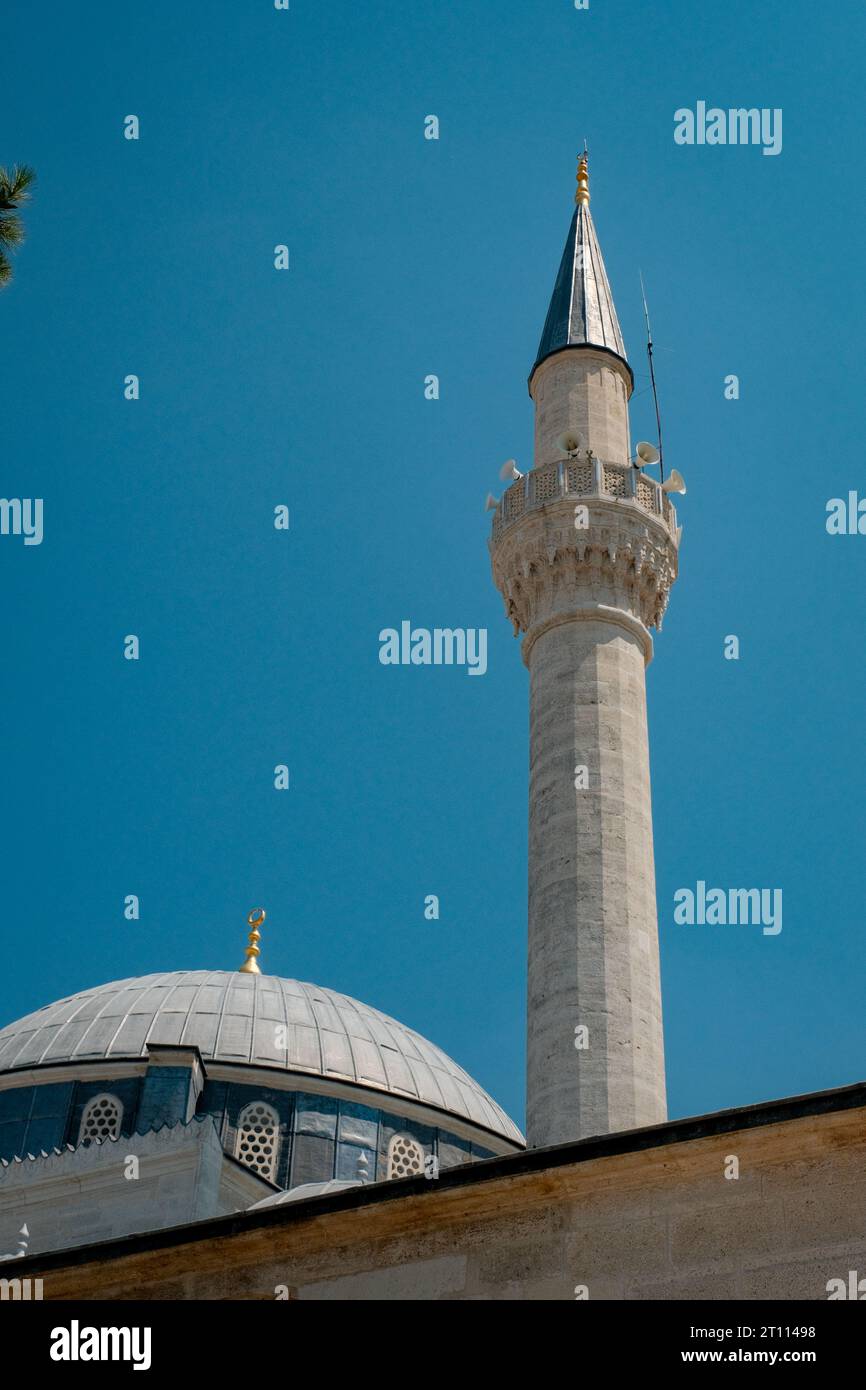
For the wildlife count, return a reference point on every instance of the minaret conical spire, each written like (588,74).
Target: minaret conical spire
(582,311)
(584,551)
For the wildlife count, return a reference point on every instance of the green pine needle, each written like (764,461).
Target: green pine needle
(15,186)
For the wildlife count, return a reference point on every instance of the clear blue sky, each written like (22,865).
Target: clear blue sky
(410,257)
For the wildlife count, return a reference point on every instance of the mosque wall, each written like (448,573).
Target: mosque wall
(320,1137)
(33,1118)
(763,1203)
(324,1137)
(165,1178)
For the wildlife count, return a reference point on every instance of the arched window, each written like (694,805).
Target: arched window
(405,1157)
(101,1119)
(258,1138)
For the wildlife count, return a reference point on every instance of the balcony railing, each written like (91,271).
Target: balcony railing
(582,477)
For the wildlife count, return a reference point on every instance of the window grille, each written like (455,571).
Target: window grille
(405,1157)
(258,1138)
(101,1119)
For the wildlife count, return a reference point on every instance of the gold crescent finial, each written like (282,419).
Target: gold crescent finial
(581,197)
(254,921)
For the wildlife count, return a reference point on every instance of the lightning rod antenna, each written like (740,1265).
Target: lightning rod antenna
(649,353)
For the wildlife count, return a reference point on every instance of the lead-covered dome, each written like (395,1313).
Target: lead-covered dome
(253,1020)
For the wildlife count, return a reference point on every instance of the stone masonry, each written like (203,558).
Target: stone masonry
(584,553)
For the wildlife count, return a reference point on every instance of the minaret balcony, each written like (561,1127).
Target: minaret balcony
(583,477)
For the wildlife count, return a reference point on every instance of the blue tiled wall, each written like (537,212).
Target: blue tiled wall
(323,1138)
(127,1090)
(225,1101)
(320,1137)
(164,1097)
(33,1118)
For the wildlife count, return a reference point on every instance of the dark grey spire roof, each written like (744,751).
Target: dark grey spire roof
(581,312)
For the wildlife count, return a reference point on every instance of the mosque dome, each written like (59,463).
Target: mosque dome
(254,1021)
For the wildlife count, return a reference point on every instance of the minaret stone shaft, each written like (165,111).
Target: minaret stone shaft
(584,551)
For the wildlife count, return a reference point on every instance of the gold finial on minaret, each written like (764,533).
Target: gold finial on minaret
(581,197)
(251,964)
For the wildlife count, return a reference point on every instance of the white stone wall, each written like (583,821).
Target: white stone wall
(584,391)
(79,1196)
(585,592)
(593,941)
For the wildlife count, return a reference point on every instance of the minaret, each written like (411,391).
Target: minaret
(584,552)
